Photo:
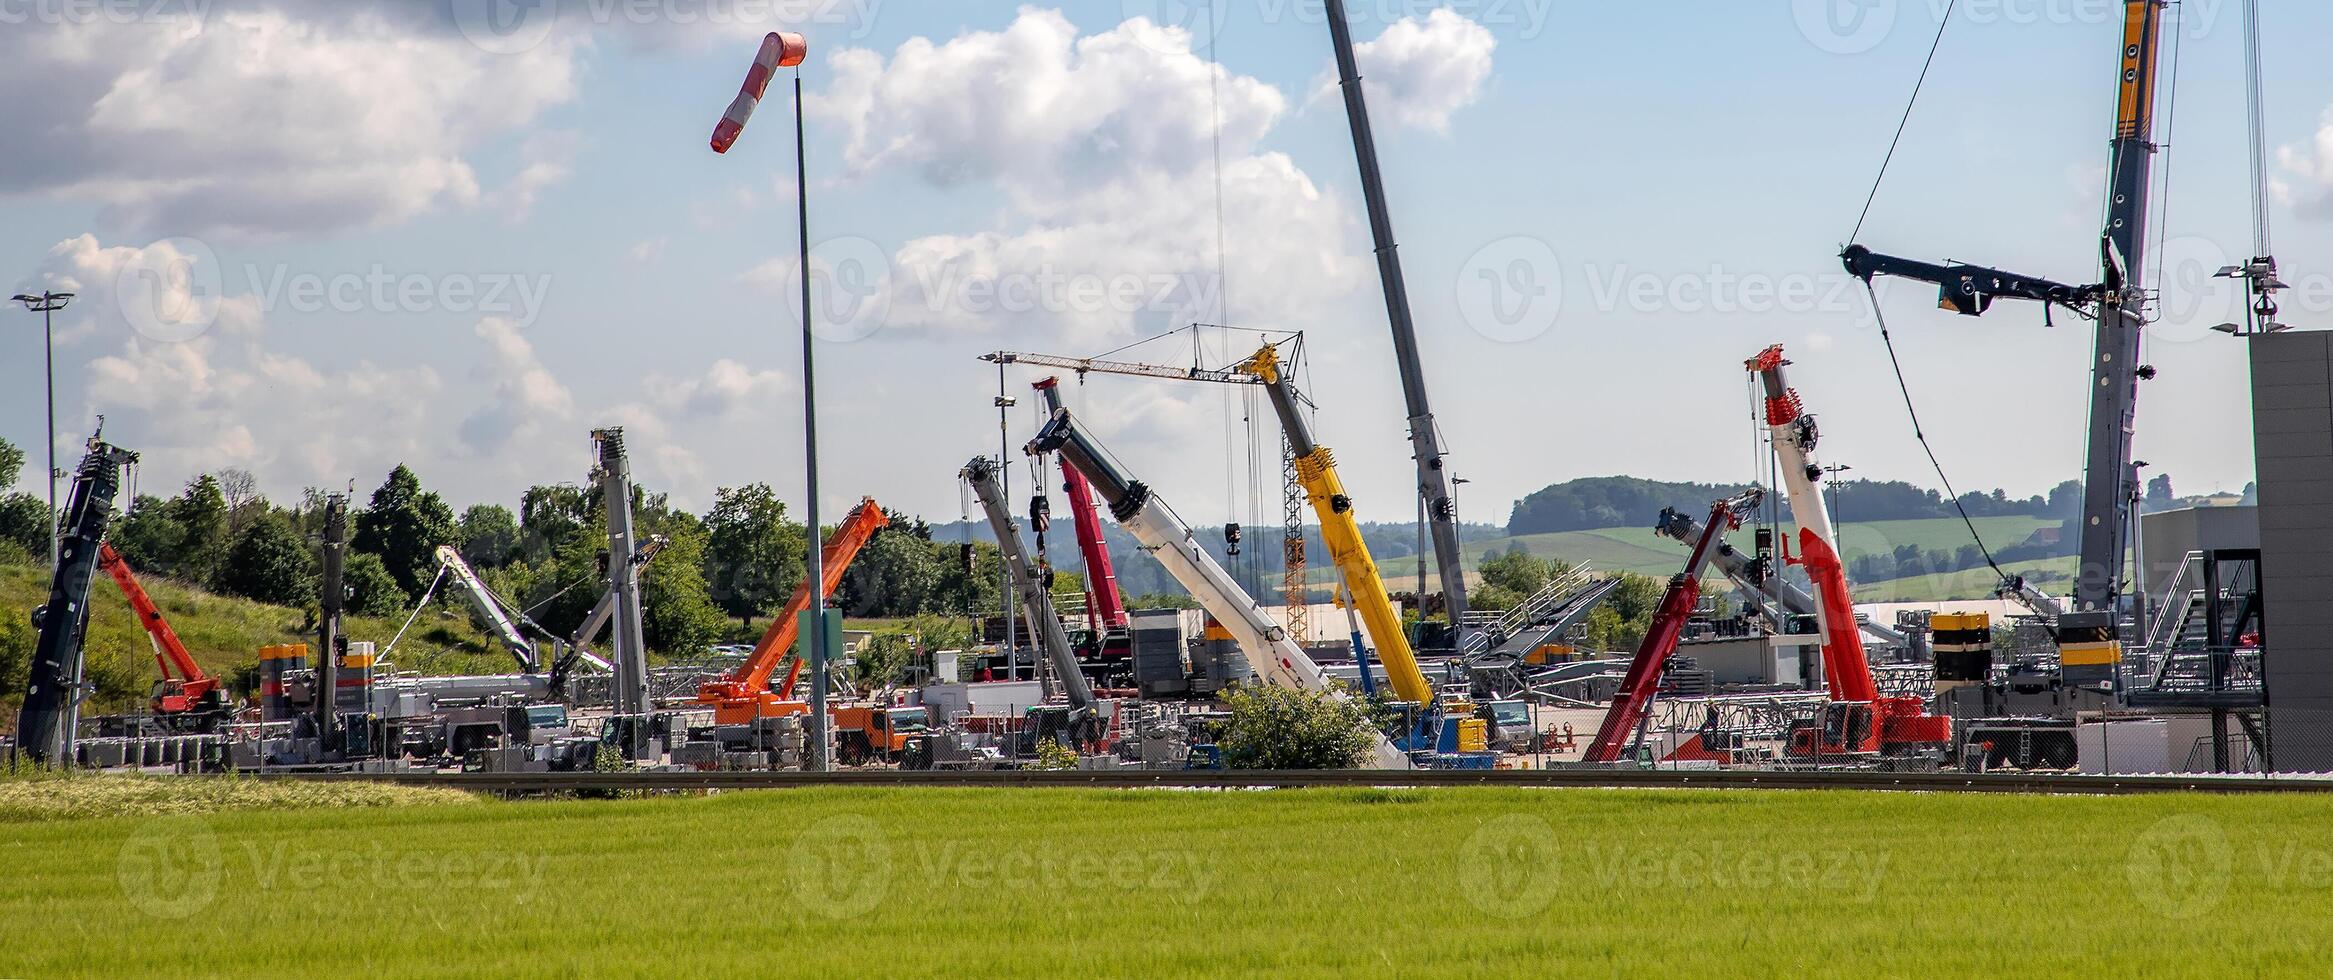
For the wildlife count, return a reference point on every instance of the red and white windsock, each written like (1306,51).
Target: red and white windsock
(778,50)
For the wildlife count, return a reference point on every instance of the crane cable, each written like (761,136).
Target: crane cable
(1941,24)
(1880,316)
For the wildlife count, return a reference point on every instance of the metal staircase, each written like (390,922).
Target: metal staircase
(1556,607)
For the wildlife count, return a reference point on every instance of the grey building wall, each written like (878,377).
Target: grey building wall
(2292,435)
(2169,535)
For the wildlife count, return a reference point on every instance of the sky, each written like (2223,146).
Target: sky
(317,240)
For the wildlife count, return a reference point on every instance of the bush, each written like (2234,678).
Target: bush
(1051,754)
(1277,728)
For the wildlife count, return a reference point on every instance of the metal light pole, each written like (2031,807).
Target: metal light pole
(784,50)
(1834,470)
(47,304)
(1004,441)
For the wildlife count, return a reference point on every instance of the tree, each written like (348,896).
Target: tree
(898,574)
(489,535)
(149,536)
(677,611)
(551,518)
(2159,496)
(1279,728)
(24,524)
(269,563)
(241,492)
(753,557)
(372,591)
(201,515)
(404,525)
(11,464)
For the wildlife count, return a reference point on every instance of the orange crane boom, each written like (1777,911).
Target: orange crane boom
(744,694)
(184,685)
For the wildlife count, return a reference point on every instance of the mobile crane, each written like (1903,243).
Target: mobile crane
(1316,471)
(501,622)
(2088,634)
(1425,436)
(47,721)
(1136,508)
(1857,721)
(186,699)
(1036,599)
(1081,721)
(744,693)
(1106,606)
(1630,704)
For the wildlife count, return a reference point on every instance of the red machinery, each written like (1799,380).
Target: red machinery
(1105,606)
(744,694)
(1857,721)
(1660,638)
(185,699)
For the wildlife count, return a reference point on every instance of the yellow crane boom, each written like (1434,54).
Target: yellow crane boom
(1316,471)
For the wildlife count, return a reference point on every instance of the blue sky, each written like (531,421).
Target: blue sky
(560,249)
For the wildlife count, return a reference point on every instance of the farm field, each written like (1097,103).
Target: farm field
(1312,883)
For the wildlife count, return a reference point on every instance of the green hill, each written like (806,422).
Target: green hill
(223,634)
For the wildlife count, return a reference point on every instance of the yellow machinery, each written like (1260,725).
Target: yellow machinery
(1316,470)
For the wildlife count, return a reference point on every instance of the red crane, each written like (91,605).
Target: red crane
(185,698)
(1660,638)
(1858,720)
(1105,606)
(744,694)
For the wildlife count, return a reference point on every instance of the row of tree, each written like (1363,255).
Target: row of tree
(1625,501)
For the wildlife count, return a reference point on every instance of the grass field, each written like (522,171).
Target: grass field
(983,883)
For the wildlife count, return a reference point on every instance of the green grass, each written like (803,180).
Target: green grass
(2051,575)
(1474,883)
(43,795)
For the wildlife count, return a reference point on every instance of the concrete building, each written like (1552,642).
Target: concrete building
(2292,432)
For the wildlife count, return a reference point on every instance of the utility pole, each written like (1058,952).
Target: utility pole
(1425,439)
(47,304)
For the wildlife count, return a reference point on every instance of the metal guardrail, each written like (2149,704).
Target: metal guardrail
(1931,782)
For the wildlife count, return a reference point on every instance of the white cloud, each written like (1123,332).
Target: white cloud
(1420,72)
(2311,167)
(1104,151)
(650,251)
(263,120)
(525,394)
(1034,104)
(224,397)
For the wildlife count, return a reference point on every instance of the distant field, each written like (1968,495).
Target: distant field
(2052,575)
(1640,550)
(997,883)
